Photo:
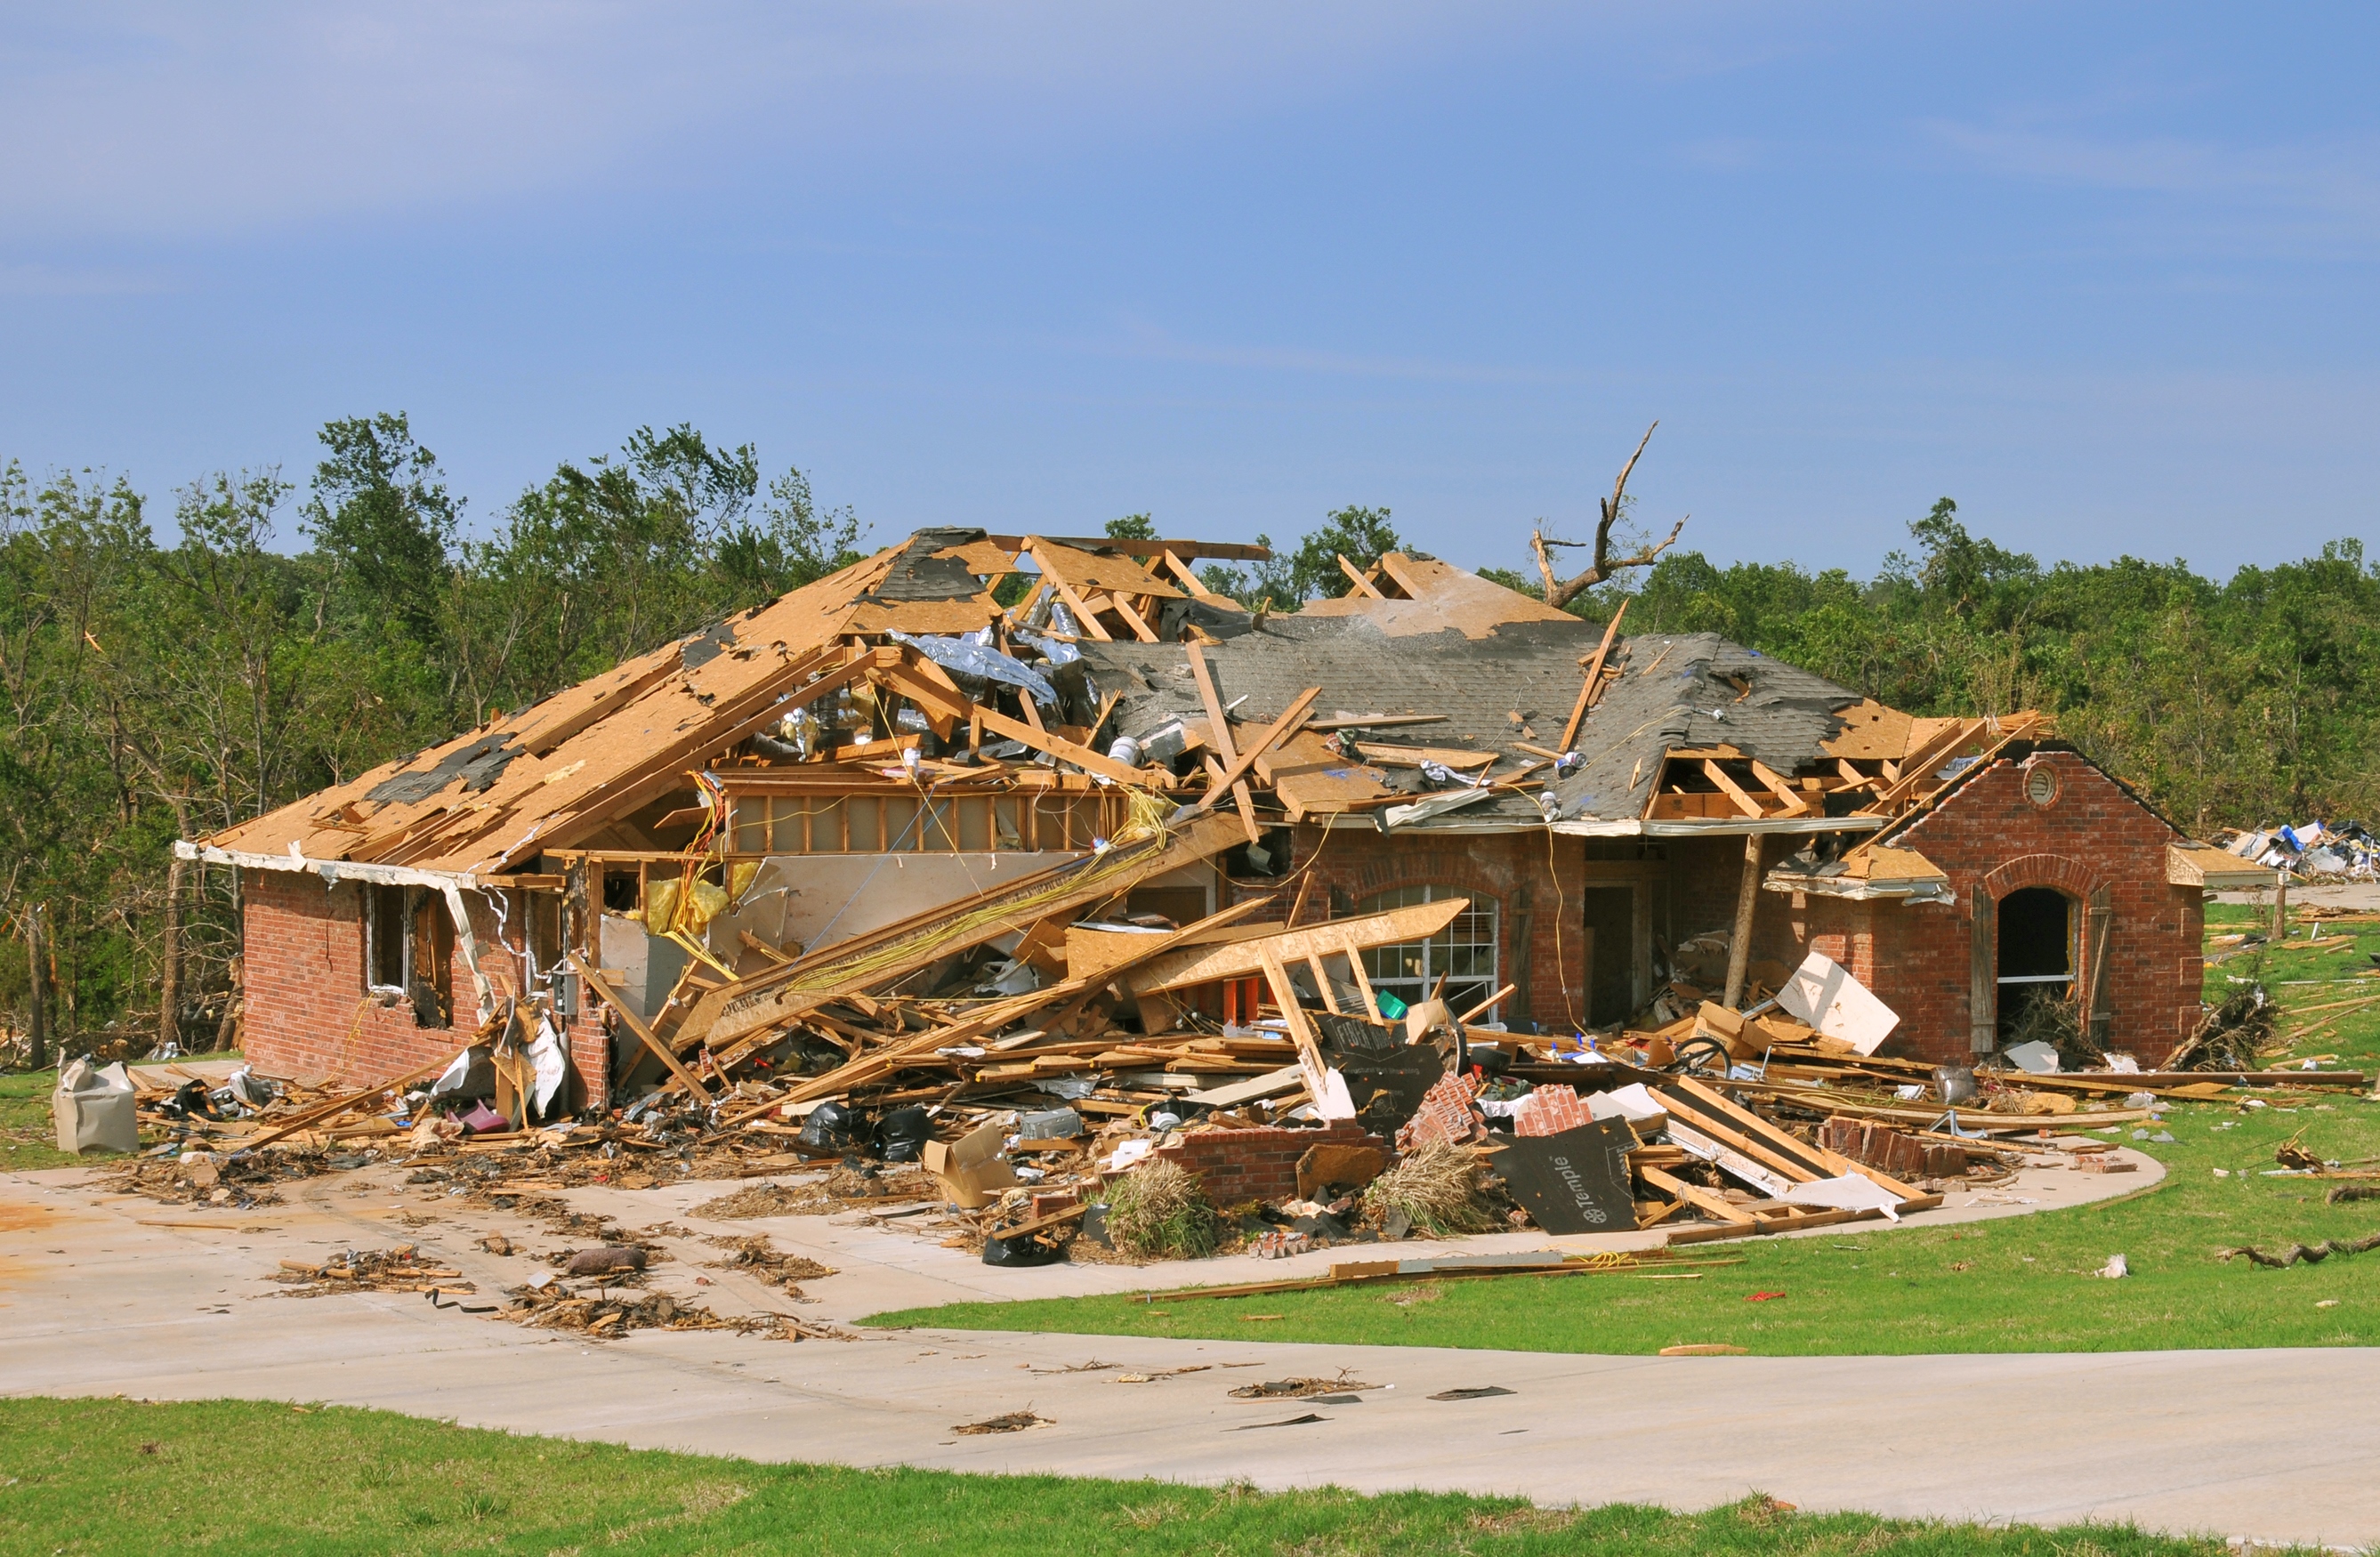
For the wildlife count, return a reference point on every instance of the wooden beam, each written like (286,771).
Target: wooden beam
(668,1057)
(1085,617)
(1743,802)
(1695,1195)
(1279,731)
(1245,957)
(1795,804)
(1590,691)
(1134,619)
(1301,1030)
(1225,551)
(1747,900)
(894,951)
(1219,737)
(1190,581)
(1364,586)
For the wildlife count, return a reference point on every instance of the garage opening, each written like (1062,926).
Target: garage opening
(2037,954)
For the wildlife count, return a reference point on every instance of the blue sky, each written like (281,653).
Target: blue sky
(2103,274)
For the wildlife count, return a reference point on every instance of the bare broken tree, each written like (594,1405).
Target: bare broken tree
(1561,593)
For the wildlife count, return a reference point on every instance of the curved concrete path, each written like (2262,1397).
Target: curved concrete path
(93,1300)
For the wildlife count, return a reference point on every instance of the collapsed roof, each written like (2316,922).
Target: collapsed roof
(1427,697)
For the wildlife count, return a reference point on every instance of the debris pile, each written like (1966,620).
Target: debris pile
(401,1269)
(2339,851)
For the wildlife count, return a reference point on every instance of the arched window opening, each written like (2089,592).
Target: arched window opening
(1464,953)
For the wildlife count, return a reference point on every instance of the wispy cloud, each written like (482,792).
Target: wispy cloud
(2329,187)
(1141,341)
(163,120)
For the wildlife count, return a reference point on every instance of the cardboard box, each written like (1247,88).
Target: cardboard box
(971,1169)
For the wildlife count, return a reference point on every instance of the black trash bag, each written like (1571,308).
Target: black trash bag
(189,1100)
(1018,1252)
(902,1133)
(832,1127)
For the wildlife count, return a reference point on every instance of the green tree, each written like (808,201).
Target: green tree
(1131,526)
(380,510)
(1361,535)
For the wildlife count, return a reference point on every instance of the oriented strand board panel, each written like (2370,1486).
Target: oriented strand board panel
(1088,571)
(1444,598)
(1308,775)
(1871,731)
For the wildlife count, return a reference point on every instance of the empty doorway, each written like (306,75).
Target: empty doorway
(2036,952)
(1611,916)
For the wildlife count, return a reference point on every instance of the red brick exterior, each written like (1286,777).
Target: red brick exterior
(308,1013)
(1987,837)
(1238,1166)
(1917,956)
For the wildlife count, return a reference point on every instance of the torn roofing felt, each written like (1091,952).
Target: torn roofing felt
(924,570)
(477,763)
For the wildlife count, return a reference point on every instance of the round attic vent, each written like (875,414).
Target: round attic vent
(2041,784)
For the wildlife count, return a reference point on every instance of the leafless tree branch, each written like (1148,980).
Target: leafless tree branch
(1560,591)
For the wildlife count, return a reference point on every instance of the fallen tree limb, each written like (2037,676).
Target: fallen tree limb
(2310,1254)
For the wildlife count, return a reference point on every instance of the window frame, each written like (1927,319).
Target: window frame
(1436,954)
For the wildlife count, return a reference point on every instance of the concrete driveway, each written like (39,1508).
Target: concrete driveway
(106,1294)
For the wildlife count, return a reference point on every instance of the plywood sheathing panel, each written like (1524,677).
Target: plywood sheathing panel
(1089,572)
(634,726)
(1871,732)
(1443,598)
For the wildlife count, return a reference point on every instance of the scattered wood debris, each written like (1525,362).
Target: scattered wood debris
(1013,1421)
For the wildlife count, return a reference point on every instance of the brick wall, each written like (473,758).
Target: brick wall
(1989,838)
(1238,1166)
(308,1013)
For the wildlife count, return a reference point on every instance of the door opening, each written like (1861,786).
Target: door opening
(1610,914)
(2036,952)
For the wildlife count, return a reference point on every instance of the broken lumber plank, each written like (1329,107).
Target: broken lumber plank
(1219,728)
(1244,958)
(1695,1195)
(667,1055)
(310,1117)
(1590,692)
(1277,732)
(895,950)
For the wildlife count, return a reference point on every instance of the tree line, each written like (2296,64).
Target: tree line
(283,640)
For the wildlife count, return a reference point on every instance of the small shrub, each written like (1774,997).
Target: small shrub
(1438,1188)
(1158,1210)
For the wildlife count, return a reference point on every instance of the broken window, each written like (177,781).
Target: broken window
(384,937)
(1464,953)
(409,949)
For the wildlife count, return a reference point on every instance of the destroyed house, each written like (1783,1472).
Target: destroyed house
(662,873)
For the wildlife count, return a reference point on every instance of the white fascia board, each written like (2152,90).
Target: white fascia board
(1915,889)
(1786,825)
(333,870)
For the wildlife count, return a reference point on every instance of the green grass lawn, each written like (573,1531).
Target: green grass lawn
(28,1138)
(2019,1284)
(116,1476)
